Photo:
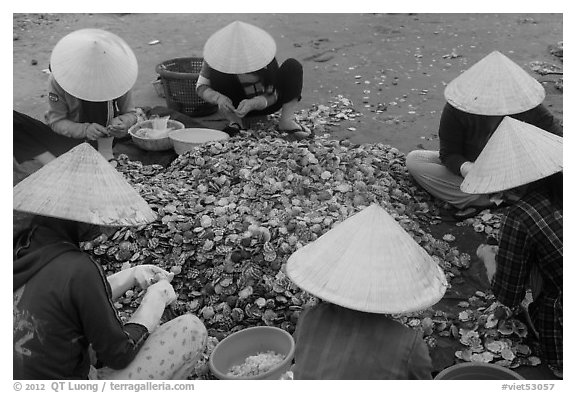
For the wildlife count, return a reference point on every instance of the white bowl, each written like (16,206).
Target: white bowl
(187,138)
(153,144)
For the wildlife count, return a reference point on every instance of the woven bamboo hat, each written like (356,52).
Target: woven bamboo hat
(239,48)
(94,65)
(495,86)
(81,185)
(369,263)
(517,153)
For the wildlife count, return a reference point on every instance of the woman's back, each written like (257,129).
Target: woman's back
(333,342)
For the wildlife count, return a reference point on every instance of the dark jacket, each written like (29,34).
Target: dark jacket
(62,303)
(463,135)
(333,342)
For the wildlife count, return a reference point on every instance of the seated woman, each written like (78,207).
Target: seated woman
(89,93)
(364,268)
(530,251)
(477,101)
(241,75)
(64,302)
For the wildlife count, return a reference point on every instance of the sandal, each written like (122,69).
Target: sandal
(297,134)
(232,129)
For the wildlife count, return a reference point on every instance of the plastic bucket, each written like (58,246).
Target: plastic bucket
(478,371)
(235,348)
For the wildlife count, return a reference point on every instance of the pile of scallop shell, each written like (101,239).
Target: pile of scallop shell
(231,213)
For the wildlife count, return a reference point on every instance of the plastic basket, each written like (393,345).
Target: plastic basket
(179,77)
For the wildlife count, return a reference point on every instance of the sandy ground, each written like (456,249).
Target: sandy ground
(400,61)
(398,64)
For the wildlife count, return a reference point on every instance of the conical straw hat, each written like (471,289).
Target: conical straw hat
(495,86)
(94,65)
(369,263)
(239,48)
(518,153)
(81,185)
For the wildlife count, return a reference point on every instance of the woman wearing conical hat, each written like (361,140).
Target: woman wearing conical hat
(477,101)
(241,75)
(92,73)
(64,302)
(366,267)
(530,252)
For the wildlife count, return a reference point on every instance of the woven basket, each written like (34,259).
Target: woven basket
(179,77)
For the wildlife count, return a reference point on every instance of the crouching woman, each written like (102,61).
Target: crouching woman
(64,302)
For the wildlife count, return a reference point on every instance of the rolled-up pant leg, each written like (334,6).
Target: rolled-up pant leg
(429,172)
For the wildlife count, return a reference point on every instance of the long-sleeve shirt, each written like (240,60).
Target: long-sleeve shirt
(532,236)
(463,135)
(333,342)
(65,111)
(62,303)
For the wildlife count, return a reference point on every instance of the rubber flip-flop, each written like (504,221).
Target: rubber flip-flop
(297,134)
(232,129)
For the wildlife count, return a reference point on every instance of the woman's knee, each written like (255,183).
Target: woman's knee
(292,66)
(415,161)
(290,81)
(193,327)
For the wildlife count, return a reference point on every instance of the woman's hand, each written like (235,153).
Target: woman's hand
(224,103)
(246,106)
(96,131)
(117,128)
(162,290)
(157,297)
(146,275)
(487,254)
(465,168)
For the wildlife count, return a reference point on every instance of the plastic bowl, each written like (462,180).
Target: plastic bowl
(186,139)
(235,348)
(478,371)
(153,144)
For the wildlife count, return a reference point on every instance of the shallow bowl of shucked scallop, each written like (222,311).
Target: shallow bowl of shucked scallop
(237,347)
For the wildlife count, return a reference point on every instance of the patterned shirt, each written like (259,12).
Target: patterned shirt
(532,240)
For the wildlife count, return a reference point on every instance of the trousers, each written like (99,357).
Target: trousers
(170,352)
(429,172)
